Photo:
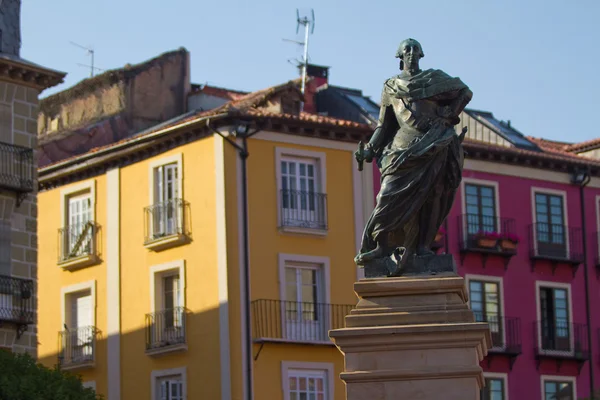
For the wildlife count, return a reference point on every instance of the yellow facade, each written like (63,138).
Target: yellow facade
(212,262)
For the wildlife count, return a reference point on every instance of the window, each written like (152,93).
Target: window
(5,248)
(304,286)
(554,324)
(166,322)
(550,225)
(166,218)
(169,384)
(78,337)
(301,190)
(307,381)
(77,237)
(558,390)
(170,388)
(494,389)
(485,304)
(480,206)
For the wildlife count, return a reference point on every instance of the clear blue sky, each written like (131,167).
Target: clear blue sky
(533,62)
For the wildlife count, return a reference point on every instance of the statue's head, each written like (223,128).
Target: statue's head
(410,52)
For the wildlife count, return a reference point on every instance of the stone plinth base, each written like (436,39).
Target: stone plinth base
(412,338)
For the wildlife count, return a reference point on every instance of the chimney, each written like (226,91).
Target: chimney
(10,27)
(317,76)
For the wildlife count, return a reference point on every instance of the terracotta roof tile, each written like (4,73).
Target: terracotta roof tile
(223,93)
(584,146)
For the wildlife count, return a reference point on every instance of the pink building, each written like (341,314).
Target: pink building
(527,243)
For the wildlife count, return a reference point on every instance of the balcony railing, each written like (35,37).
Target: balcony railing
(278,320)
(557,243)
(165,219)
(505,331)
(303,209)
(78,240)
(165,328)
(487,235)
(16,300)
(561,340)
(16,168)
(77,347)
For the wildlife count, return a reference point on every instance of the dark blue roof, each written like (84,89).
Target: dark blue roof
(504,129)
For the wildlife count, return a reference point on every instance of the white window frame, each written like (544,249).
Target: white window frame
(157,272)
(73,289)
(553,192)
(152,165)
(86,187)
(463,203)
(157,374)
(499,376)
(286,366)
(553,285)
(493,279)
(556,378)
(89,384)
(281,153)
(324,265)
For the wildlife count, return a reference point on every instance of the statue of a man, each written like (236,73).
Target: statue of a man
(420,157)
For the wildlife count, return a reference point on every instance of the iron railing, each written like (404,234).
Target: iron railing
(16,167)
(473,227)
(165,219)
(560,339)
(77,240)
(77,346)
(296,321)
(505,331)
(165,328)
(556,242)
(16,300)
(303,209)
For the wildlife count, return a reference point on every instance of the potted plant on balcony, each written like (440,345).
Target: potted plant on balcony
(487,240)
(509,241)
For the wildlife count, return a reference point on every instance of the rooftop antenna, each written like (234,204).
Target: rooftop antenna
(90,51)
(309,27)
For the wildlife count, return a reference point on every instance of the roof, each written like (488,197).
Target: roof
(31,74)
(107,78)
(583,146)
(216,91)
(501,128)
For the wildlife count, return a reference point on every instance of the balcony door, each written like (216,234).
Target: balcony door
(485,304)
(555,324)
(305,314)
(550,227)
(166,219)
(80,228)
(299,185)
(80,334)
(172,308)
(480,206)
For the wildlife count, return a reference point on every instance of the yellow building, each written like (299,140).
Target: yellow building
(150,291)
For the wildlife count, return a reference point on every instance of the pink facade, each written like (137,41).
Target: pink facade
(519,285)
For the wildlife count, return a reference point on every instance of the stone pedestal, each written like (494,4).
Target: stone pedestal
(412,338)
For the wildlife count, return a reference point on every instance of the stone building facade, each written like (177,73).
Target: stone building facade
(20,85)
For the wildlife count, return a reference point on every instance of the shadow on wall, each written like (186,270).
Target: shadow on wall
(170,339)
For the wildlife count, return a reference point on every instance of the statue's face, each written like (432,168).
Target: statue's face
(411,54)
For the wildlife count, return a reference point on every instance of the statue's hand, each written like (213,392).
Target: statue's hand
(365,154)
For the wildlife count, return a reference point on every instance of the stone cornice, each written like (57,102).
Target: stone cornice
(24,73)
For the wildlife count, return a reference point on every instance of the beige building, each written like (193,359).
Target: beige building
(20,84)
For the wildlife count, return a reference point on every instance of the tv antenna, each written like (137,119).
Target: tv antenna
(90,51)
(309,27)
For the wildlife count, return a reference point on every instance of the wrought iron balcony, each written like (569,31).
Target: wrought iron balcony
(78,244)
(303,210)
(290,321)
(488,236)
(166,220)
(77,347)
(506,335)
(556,243)
(561,341)
(165,329)
(16,302)
(16,168)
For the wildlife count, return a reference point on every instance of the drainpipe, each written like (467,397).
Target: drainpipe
(242,131)
(583,178)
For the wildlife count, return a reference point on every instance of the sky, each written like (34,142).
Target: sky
(531,62)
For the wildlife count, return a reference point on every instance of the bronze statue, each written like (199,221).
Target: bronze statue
(420,157)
